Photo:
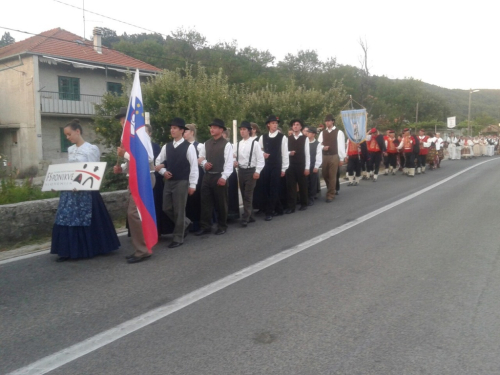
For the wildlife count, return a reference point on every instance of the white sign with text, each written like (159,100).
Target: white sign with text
(74,176)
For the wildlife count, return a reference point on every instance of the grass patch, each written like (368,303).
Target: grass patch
(12,192)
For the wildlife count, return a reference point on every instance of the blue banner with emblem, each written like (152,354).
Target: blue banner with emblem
(355,124)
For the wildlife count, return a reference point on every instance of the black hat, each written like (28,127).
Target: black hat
(297,120)
(246,125)
(272,118)
(218,122)
(329,117)
(180,123)
(312,129)
(121,113)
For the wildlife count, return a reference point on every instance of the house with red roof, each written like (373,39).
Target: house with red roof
(48,80)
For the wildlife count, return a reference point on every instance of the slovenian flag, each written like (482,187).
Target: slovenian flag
(138,144)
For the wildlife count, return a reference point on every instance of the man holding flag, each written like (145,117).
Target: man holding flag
(138,154)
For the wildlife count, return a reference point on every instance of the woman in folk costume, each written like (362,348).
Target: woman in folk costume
(466,148)
(476,147)
(484,146)
(193,204)
(432,156)
(83,227)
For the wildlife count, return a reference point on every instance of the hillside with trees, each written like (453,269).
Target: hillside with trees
(248,83)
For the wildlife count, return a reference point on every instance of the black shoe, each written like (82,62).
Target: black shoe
(329,200)
(129,256)
(203,231)
(268,218)
(336,193)
(244,223)
(251,220)
(303,208)
(311,203)
(135,259)
(218,232)
(174,244)
(62,259)
(275,213)
(188,229)
(289,211)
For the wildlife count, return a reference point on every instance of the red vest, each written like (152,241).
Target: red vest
(352,148)
(423,150)
(391,147)
(373,145)
(407,144)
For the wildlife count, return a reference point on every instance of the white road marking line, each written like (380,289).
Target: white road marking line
(93,343)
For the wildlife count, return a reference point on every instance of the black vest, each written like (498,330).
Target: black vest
(298,145)
(313,147)
(177,162)
(272,146)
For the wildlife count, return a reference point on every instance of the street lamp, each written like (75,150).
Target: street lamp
(468,118)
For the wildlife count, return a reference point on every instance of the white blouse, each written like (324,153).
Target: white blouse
(85,152)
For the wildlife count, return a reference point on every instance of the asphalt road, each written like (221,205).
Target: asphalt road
(412,288)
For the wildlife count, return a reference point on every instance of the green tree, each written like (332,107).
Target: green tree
(6,39)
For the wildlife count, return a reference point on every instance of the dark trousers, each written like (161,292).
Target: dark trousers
(354,166)
(421,160)
(386,161)
(409,160)
(247,186)
(392,159)
(295,176)
(270,186)
(312,185)
(374,162)
(175,195)
(213,195)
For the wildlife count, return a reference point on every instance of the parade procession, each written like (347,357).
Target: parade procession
(186,187)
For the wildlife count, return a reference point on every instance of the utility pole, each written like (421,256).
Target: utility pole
(83,19)
(416,119)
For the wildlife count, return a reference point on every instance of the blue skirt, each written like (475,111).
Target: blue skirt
(98,238)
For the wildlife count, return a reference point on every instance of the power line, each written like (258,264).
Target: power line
(113,19)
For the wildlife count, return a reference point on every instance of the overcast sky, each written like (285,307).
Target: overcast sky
(446,43)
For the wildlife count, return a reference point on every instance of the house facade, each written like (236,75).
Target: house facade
(47,80)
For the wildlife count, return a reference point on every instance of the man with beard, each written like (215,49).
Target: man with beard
(217,160)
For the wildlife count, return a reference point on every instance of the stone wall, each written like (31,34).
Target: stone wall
(30,220)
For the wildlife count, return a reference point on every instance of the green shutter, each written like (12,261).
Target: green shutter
(69,88)
(115,88)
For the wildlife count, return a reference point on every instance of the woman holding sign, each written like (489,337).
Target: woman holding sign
(83,227)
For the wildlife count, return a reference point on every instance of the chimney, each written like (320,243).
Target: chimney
(97,39)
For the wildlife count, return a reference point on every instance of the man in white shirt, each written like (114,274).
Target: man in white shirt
(275,150)
(333,142)
(298,170)
(217,160)
(178,164)
(250,162)
(315,160)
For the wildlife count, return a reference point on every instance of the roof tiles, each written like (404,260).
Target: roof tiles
(63,44)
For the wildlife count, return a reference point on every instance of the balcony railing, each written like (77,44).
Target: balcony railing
(71,104)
